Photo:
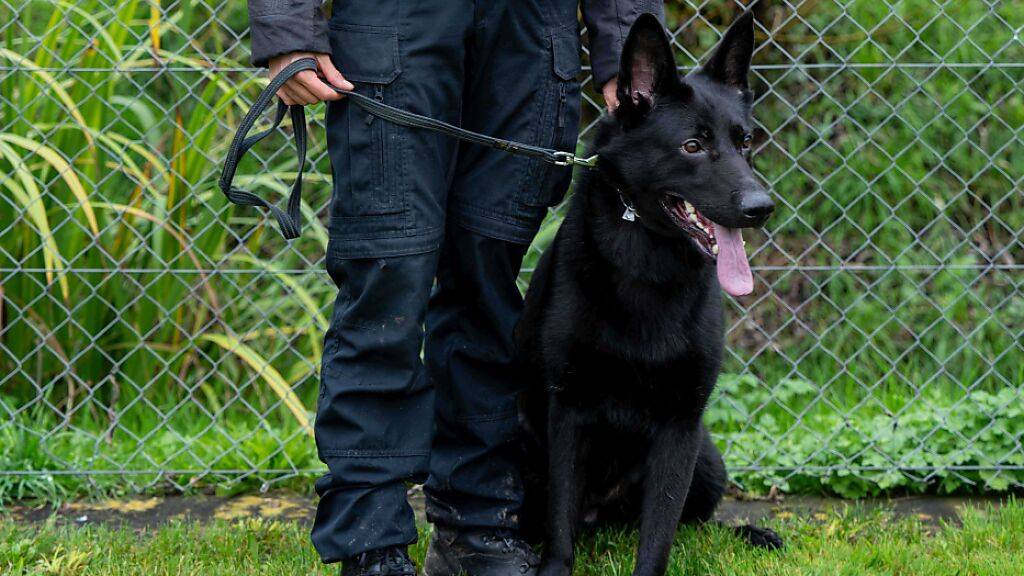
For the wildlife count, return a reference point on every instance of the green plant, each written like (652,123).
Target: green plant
(148,325)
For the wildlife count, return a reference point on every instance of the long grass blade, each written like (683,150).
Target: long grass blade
(269,374)
(169,228)
(154,25)
(64,169)
(27,194)
(53,85)
(306,300)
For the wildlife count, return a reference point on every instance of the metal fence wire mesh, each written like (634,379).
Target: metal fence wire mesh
(153,336)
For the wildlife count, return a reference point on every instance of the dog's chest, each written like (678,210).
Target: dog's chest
(652,331)
(648,340)
(624,392)
(645,353)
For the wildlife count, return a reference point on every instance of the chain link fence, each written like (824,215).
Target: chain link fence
(154,337)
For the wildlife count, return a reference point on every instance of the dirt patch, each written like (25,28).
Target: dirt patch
(153,512)
(139,513)
(930,510)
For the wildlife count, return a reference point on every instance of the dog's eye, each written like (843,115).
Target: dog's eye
(748,141)
(692,146)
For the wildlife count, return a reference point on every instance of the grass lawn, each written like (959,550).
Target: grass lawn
(990,541)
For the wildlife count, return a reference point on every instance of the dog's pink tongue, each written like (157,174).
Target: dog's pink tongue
(733,270)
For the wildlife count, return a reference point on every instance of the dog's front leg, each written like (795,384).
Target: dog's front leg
(670,463)
(565,488)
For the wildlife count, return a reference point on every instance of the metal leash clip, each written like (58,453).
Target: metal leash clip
(570,159)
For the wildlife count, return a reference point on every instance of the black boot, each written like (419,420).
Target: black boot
(391,561)
(479,553)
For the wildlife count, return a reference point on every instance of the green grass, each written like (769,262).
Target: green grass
(846,542)
(124,346)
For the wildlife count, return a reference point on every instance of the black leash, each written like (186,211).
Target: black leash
(290,218)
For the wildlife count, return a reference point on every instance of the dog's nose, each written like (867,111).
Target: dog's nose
(756,205)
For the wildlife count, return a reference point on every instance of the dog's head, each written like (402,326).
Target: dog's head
(680,150)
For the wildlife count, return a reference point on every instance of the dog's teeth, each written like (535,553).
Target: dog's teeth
(714,249)
(689,207)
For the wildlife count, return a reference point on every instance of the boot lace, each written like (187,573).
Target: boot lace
(393,561)
(510,543)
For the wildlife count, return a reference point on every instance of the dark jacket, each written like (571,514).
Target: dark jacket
(283,26)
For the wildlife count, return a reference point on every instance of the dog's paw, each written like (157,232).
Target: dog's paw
(760,537)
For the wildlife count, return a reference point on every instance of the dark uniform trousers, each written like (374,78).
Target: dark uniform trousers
(426,240)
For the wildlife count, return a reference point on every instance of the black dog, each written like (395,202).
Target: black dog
(623,319)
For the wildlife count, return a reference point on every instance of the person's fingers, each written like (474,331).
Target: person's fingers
(285,96)
(307,87)
(293,100)
(312,83)
(610,93)
(332,74)
(300,94)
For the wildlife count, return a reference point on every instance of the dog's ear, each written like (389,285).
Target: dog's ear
(647,67)
(730,64)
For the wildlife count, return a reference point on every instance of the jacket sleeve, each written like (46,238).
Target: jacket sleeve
(608,23)
(283,26)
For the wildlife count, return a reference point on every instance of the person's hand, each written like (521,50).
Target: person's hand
(306,87)
(610,93)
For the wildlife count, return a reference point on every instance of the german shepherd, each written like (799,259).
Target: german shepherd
(623,320)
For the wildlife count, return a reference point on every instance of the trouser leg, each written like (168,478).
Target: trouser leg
(475,459)
(521,84)
(375,412)
(387,216)
(522,63)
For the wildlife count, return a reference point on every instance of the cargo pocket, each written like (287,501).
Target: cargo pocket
(548,184)
(367,147)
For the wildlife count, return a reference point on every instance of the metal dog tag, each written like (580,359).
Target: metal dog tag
(629,215)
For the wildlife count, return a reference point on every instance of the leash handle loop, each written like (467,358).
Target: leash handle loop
(290,219)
